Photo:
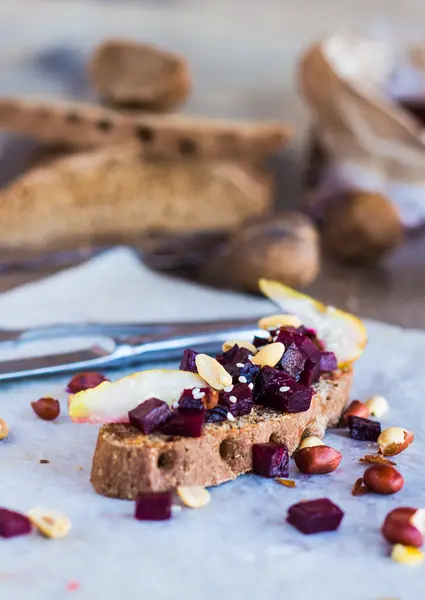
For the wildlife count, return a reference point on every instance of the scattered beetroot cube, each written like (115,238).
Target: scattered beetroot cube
(188,361)
(314,516)
(270,460)
(186,423)
(153,506)
(238,400)
(13,523)
(218,414)
(85,381)
(309,348)
(293,361)
(328,362)
(150,415)
(364,429)
(259,342)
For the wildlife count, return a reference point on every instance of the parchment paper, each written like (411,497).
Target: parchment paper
(238,546)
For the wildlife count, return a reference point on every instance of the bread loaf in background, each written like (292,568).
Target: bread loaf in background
(158,136)
(139,75)
(114,195)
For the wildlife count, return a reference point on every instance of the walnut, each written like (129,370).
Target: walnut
(284,248)
(361,227)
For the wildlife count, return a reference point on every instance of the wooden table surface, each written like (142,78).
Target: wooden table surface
(243,56)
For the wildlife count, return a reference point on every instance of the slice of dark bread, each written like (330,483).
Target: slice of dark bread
(157,136)
(127,462)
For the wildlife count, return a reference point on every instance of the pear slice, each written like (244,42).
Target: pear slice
(110,402)
(343,333)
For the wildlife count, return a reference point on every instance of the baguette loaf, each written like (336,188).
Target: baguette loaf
(114,195)
(140,75)
(127,462)
(158,136)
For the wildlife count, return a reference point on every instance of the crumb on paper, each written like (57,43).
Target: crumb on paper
(359,489)
(44,461)
(286,482)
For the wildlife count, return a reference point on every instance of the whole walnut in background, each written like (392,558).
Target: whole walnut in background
(361,227)
(284,248)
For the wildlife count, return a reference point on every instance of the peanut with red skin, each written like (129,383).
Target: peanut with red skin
(317,460)
(47,409)
(383,479)
(354,409)
(398,528)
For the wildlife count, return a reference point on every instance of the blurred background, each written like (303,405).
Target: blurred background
(243,62)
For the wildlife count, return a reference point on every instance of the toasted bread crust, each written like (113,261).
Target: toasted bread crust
(127,462)
(167,136)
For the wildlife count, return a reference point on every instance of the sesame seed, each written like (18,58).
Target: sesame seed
(240,365)
(228,388)
(242,379)
(230,416)
(233,399)
(284,388)
(250,356)
(274,338)
(175,405)
(251,386)
(198,396)
(195,391)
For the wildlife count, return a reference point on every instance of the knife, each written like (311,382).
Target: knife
(131,344)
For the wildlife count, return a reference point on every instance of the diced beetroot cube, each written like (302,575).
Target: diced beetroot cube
(218,414)
(328,362)
(293,361)
(311,373)
(364,430)
(309,348)
(150,415)
(186,423)
(192,399)
(288,337)
(314,516)
(239,400)
(312,334)
(270,460)
(188,361)
(268,376)
(291,397)
(276,389)
(259,342)
(13,523)
(236,362)
(85,381)
(153,506)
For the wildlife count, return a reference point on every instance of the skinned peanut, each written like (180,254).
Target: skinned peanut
(241,343)
(310,441)
(317,460)
(407,555)
(405,525)
(212,372)
(394,440)
(377,406)
(4,429)
(354,409)
(269,356)
(276,321)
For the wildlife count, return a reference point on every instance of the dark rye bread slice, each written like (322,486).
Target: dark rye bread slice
(139,75)
(112,195)
(157,136)
(127,462)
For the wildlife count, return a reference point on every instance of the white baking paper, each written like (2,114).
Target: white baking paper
(237,547)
